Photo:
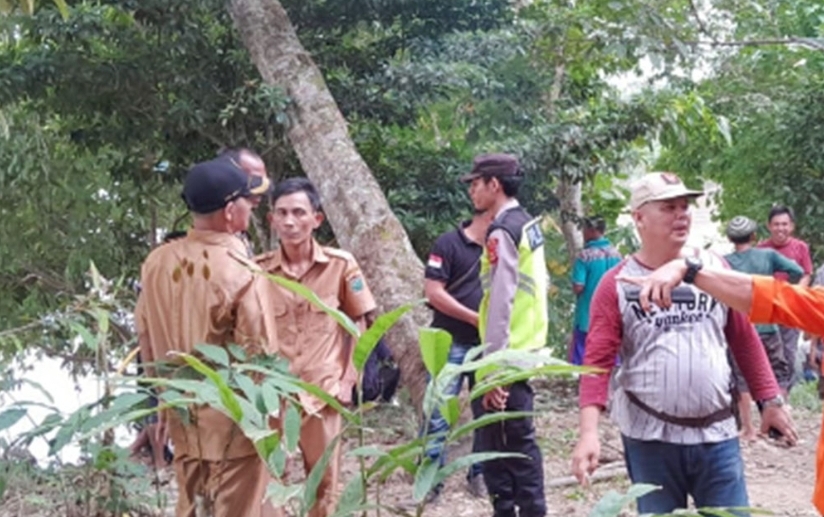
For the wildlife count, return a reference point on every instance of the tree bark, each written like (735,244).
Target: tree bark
(568,190)
(353,201)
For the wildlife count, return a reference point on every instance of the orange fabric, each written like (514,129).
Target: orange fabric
(194,292)
(818,491)
(775,301)
(318,349)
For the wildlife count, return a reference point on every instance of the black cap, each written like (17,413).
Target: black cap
(493,165)
(209,186)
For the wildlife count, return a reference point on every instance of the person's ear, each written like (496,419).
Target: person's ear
(318,219)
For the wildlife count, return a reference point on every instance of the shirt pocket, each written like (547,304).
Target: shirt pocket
(319,323)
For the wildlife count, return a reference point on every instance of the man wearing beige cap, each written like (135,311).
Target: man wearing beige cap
(670,393)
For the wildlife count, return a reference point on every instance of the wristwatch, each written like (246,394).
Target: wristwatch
(694,265)
(777,401)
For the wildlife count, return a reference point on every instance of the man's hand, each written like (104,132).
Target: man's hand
(495,399)
(585,456)
(657,286)
(778,418)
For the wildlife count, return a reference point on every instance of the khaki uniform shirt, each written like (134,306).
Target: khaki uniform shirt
(194,292)
(318,349)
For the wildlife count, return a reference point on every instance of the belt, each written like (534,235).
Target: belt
(701,421)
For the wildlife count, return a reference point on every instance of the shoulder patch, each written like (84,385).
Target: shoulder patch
(434,261)
(534,235)
(356,283)
(492,250)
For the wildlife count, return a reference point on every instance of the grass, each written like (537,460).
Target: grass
(805,395)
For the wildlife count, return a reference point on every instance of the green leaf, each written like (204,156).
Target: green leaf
(425,478)
(367,342)
(435,344)
(318,392)
(451,411)
(63,8)
(310,493)
(271,398)
(465,462)
(300,289)
(352,499)
(484,420)
(267,445)
(227,396)
(612,503)
(280,495)
(237,351)
(85,334)
(215,354)
(10,417)
(291,427)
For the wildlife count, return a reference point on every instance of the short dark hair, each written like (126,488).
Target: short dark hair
(741,239)
(595,222)
(780,210)
(293,185)
(509,184)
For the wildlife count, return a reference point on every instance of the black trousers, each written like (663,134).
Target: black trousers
(515,485)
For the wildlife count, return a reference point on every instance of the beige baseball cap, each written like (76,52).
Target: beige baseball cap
(658,186)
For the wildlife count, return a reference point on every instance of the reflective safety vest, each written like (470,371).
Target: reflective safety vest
(528,321)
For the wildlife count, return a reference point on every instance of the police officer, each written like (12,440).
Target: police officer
(513,314)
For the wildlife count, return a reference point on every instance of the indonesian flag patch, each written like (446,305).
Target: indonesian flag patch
(434,261)
(492,250)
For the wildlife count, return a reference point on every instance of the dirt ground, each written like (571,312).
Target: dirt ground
(779,479)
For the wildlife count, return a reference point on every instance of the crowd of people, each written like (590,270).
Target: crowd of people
(668,327)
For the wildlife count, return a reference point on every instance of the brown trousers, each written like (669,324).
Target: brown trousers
(226,488)
(316,434)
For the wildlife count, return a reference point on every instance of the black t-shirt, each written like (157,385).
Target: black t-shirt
(455,261)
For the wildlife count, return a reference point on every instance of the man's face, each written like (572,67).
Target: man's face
(294,218)
(590,234)
(253,166)
(664,222)
(482,192)
(781,228)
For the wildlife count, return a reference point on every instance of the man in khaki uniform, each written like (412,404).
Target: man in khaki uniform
(194,292)
(318,349)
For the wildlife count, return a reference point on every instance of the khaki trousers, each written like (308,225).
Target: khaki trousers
(316,434)
(226,488)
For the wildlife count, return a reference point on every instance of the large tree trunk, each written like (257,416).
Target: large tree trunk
(353,202)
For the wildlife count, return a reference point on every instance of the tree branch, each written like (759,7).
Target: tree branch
(701,25)
(811,43)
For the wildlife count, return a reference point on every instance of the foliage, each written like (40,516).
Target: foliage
(770,94)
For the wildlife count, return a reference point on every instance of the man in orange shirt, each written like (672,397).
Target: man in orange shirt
(194,291)
(318,349)
(764,299)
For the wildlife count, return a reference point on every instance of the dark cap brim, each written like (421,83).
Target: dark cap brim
(468,178)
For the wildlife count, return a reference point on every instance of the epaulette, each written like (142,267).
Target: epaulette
(243,259)
(338,253)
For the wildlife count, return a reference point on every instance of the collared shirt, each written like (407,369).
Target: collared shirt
(674,360)
(455,260)
(795,249)
(799,307)
(318,349)
(597,257)
(194,292)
